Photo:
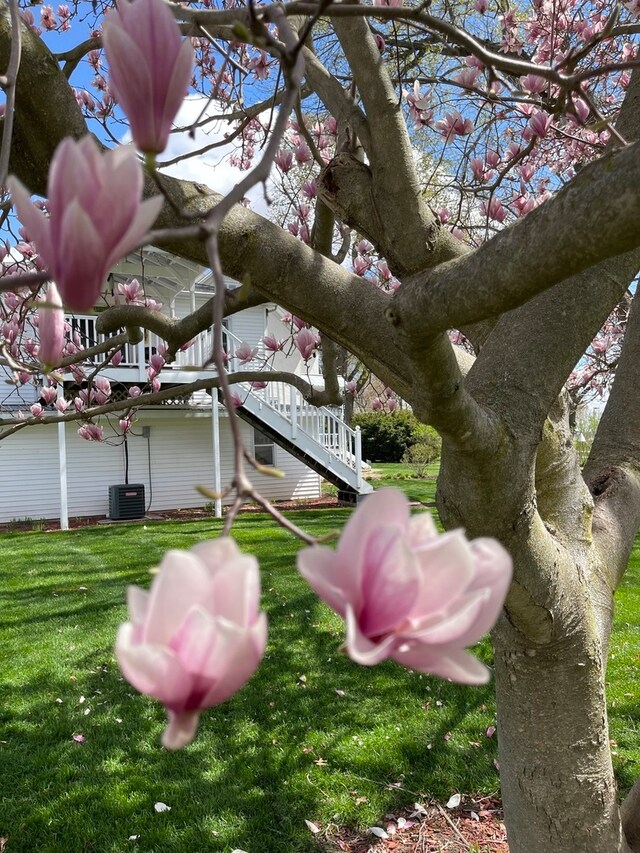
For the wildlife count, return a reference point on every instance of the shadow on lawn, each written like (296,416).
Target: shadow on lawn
(250,776)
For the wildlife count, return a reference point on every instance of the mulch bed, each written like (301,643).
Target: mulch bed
(428,829)
(49,524)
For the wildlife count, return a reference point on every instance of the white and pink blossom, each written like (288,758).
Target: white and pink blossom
(407,593)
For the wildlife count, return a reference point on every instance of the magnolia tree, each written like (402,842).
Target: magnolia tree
(457,199)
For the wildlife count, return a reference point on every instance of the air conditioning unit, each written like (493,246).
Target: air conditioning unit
(126,502)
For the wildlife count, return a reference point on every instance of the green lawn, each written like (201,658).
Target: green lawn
(401,476)
(288,747)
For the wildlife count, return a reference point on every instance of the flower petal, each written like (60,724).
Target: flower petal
(456,664)
(34,220)
(321,569)
(239,651)
(152,669)
(181,729)
(458,627)
(79,254)
(182,583)
(446,571)
(144,219)
(138,603)
(384,508)
(360,648)
(390,582)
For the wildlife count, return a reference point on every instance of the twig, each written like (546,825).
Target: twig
(452,825)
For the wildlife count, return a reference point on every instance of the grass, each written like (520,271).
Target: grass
(287,748)
(401,476)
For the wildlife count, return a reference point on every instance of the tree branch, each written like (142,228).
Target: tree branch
(338,102)
(315,396)
(613,468)
(595,217)
(630,816)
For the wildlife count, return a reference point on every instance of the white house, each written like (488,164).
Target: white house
(48,471)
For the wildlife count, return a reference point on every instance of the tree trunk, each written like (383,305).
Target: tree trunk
(557,780)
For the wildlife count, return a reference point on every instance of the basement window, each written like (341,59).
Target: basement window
(263,448)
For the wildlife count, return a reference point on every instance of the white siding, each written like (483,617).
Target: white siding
(249,325)
(29,483)
(181,457)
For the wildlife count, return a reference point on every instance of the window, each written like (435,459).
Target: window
(263,448)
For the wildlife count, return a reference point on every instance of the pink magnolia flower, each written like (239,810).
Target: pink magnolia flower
(36,410)
(306,341)
(406,592)
(272,344)
(540,123)
(197,635)
(377,405)
(310,188)
(91,432)
(303,153)
(380,42)
(246,353)
(494,210)
(96,216)
(533,84)
(132,290)
(361,265)
(452,125)
(468,77)
(51,328)
(49,394)
(150,68)
(477,168)
(582,110)
(527,171)
(61,404)
(283,160)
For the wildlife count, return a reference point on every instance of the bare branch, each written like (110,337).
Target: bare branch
(596,216)
(313,395)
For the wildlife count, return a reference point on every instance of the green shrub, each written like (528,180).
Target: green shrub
(387,436)
(423,453)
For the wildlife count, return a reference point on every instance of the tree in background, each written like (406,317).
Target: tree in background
(478,167)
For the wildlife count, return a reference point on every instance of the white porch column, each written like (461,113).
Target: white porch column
(358,449)
(293,410)
(215,429)
(62,467)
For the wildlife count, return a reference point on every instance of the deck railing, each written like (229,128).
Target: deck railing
(288,410)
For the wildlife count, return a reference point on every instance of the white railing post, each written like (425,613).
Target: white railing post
(358,450)
(293,410)
(140,348)
(62,468)
(217,475)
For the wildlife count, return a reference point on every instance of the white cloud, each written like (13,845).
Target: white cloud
(212,168)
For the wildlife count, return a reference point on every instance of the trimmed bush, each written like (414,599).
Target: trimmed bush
(387,436)
(423,453)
